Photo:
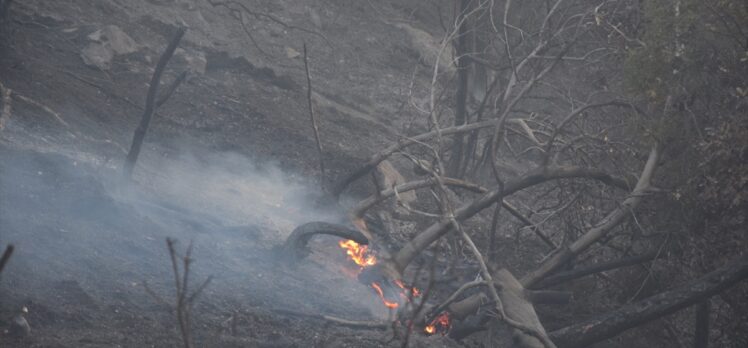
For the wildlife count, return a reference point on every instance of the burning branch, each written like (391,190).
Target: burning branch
(151,103)
(295,248)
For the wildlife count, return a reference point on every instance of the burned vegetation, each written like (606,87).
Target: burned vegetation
(471,173)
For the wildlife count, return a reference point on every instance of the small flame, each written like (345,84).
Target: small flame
(358,253)
(413,291)
(388,304)
(441,323)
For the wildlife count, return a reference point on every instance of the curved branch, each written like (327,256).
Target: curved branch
(295,247)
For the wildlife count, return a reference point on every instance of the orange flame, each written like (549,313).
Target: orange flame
(362,257)
(441,323)
(414,291)
(358,253)
(389,304)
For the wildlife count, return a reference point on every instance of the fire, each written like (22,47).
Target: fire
(414,291)
(361,255)
(388,304)
(358,253)
(440,324)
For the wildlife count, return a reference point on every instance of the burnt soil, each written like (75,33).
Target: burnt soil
(87,246)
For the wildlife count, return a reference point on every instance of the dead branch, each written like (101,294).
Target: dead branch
(452,298)
(150,104)
(7,94)
(366,204)
(315,127)
(563,277)
(548,296)
(638,313)
(344,322)
(402,143)
(184,299)
(461,92)
(295,248)
(701,325)
(607,224)
(523,321)
(533,177)
(529,332)
(6,256)
(525,220)
(257,14)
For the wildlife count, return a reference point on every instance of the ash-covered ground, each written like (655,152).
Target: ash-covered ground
(229,165)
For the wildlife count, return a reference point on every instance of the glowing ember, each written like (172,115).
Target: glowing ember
(358,253)
(440,324)
(388,304)
(414,291)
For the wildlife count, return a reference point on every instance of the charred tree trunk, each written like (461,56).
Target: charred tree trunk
(150,104)
(636,314)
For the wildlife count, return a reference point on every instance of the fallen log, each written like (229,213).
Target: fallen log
(295,248)
(638,313)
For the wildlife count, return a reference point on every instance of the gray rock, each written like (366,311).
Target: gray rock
(107,43)
(192,61)
(19,327)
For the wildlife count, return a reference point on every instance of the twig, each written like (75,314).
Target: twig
(345,322)
(150,104)
(422,303)
(314,121)
(184,300)
(436,311)
(154,295)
